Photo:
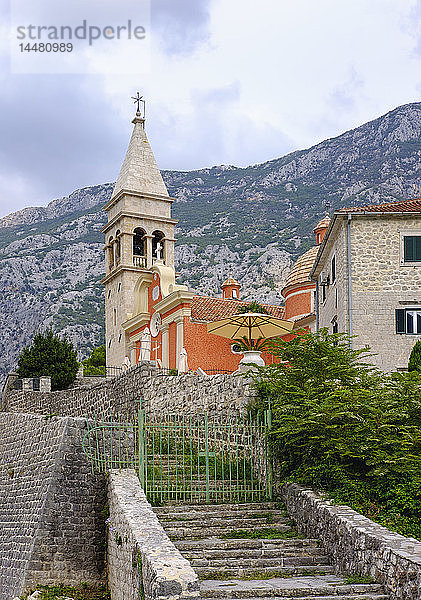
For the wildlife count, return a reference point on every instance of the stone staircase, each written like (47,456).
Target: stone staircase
(252,551)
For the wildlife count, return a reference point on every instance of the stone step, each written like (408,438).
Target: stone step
(178,533)
(254,554)
(192,514)
(233,523)
(318,586)
(243,544)
(237,572)
(211,508)
(256,563)
(351,596)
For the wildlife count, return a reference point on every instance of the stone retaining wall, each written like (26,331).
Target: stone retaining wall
(142,561)
(51,505)
(188,394)
(357,544)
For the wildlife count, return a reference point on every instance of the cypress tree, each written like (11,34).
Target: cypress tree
(414,363)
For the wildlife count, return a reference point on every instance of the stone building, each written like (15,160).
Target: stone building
(368,276)
(148,315)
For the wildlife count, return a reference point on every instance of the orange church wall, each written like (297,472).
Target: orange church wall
(173,344)
(206,350)
(298,304)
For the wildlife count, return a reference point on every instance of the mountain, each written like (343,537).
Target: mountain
(254,221)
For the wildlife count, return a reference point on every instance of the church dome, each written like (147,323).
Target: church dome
(300,272)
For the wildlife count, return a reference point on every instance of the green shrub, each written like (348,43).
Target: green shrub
(49,356)
(414,363)
(94,366)
(342,426)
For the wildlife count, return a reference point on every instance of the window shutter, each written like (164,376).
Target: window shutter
(408,248)
(400,320)
(417,249)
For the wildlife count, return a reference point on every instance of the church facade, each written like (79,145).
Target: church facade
(148,315)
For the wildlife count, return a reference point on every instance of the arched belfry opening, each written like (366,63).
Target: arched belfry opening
(117,247)
(139,248)
(158,246)
(110,250)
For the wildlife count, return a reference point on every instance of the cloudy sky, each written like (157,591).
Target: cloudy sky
(230,82)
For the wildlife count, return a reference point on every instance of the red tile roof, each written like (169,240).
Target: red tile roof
(406,206)
(213,309)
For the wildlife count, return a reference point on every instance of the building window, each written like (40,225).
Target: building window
(333,269)
(408,320)
(335,327)
(139,250)
(323,285)
(158,245)
(412,248)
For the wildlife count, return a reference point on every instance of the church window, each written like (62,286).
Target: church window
(110,253)
(117,247)
(109,343)
(115,316)
(158,245)
(109,293)
(119,288)
(412,248)
(119,338)
(139,254)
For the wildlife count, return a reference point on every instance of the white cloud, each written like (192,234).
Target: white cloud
(236,82)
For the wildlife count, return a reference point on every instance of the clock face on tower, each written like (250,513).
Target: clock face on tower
(155,326)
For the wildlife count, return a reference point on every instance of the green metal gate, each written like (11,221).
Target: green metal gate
(202,458)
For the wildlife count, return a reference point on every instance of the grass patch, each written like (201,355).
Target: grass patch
(82,592)
(269,533)
(358,579)
(255,575)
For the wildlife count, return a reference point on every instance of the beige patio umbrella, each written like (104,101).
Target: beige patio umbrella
(250,325)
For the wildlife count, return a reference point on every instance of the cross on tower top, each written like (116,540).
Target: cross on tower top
(138,99)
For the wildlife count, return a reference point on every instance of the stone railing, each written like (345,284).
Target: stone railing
(142,561)
(357,544)
(187,394)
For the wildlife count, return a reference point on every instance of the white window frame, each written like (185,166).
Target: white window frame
(413,311)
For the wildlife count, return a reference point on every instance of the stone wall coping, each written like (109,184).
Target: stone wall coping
(352,519)
(166,573)
(356,543)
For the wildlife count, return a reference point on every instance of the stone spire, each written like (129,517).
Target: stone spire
(140,173)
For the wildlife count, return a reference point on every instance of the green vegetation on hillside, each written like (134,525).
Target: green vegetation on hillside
(345,428)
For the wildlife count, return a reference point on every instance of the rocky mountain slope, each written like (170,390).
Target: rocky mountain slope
(254,221)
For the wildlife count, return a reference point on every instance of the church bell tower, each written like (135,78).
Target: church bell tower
(139,234)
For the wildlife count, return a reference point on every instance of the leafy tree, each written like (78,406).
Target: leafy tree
(414,363)
(253,307)
(344,427)
(95,364)
(49,356)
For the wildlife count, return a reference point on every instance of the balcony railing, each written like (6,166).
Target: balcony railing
(139,261)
